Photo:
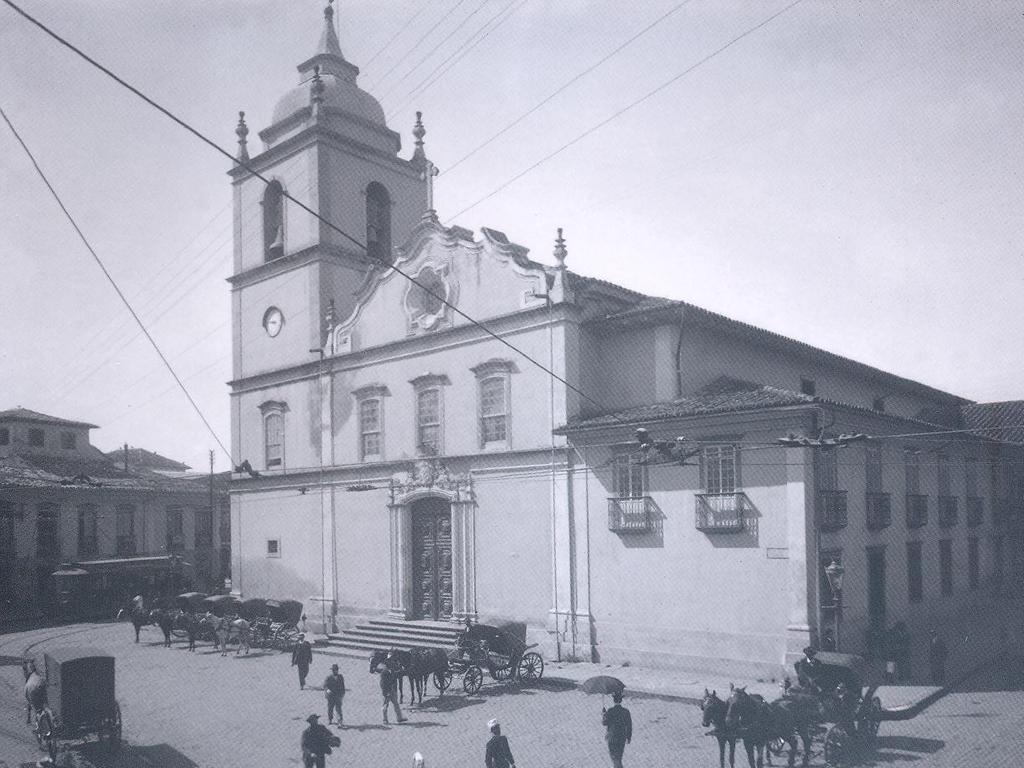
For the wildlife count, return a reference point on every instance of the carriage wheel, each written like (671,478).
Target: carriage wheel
(473,679)
(777,745)
(287,636)
(531,667)
(836,743)
(501,674)
(442,680)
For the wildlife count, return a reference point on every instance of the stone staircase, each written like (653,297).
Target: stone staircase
(381,634)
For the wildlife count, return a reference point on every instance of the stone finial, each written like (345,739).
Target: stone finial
(419,156)
(329,12)
(561,252)
(241,131)
(316,90)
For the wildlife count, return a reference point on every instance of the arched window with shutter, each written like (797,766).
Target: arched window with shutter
(378,223)
(273,221)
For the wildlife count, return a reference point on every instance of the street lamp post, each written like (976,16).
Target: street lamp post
(834,573)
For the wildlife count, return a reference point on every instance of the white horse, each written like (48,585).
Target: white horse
(35,689)
(240,627)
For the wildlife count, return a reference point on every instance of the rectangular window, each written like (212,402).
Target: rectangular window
(48,531)
(273,428)
(876,586)
(972,562)
(204,527)
(5,436)
(826,464)
(35,437)
(971,477)
(946,566)
(719,465)
(175,529)
(428,421)
(629,480)
(912,470)
(807,386)
(997,560)
(88,543)
(369,429)
(68,440)
(942,469)
(915,578)
(273,547)
(126,530)
(493,410)
(873,467)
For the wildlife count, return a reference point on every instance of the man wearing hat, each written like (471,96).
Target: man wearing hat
(334,688)
(316,743)
(302,657)
(498,754)
(618,725)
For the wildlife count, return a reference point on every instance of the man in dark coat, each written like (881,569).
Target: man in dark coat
(302,657)
(808,671)
(316,743)
(334,688)
(498,754)
(389,686)
(618,729)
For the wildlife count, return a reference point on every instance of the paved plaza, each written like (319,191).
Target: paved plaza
(202,710)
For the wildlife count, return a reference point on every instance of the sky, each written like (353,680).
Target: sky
(850,174)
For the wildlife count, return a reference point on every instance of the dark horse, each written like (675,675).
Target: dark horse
(715,710)
(400,662)
(424,663)
(761,722)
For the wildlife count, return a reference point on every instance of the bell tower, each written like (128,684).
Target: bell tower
(329,148)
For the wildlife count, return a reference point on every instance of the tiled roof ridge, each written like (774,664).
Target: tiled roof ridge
(25,414)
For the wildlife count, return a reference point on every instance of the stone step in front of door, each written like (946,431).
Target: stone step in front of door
(382,634)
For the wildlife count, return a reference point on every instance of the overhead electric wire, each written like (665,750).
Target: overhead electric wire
(459,53)
(377,81)
(113,283)
(575,78)
(369,259)
(410,20)
(594,128)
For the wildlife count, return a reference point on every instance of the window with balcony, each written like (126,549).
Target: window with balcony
(88,542)
(830,509)
(48,531)
(973,567)
(878,503)
(946,566)
(125,530)
(720,508)
(175,529)
(629,507)
(915,576)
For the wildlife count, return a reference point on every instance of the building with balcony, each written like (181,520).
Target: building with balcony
(416,466)
(62,500)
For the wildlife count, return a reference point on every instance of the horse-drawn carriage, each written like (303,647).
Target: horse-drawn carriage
(853,710)
(74,698)
(501,650)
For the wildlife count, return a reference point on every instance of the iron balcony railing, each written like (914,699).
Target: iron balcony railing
(630,515)
(879,507)
(949,512)
(721,512)
(831,510)
(917,510)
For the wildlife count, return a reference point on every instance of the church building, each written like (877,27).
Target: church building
(435,427)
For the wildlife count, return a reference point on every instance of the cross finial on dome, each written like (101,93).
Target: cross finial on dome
(241,131)
(561,252)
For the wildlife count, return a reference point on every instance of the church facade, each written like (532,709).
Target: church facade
(436,426)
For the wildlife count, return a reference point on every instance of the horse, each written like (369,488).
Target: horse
(761,722)
(140,617)
(400,659)
(35,689)
(165,620)
(222,632)
(715,710)
(240,627)
(425,662)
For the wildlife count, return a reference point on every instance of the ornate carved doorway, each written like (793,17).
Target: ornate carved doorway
(432,559)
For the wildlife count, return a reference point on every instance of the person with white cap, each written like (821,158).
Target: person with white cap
(498,754)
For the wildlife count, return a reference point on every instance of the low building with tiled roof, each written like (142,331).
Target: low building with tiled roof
(62,500)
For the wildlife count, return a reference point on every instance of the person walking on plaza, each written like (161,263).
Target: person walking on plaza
(937,653)
(316,743)
(618,729)
(334,688)
(389,686)
(498,753)
(302,657)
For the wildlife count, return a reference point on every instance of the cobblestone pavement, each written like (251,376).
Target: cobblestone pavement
(200,710)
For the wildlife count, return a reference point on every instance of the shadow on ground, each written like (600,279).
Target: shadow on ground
(130,756)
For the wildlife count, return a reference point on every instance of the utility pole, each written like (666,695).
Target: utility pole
(126,458)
